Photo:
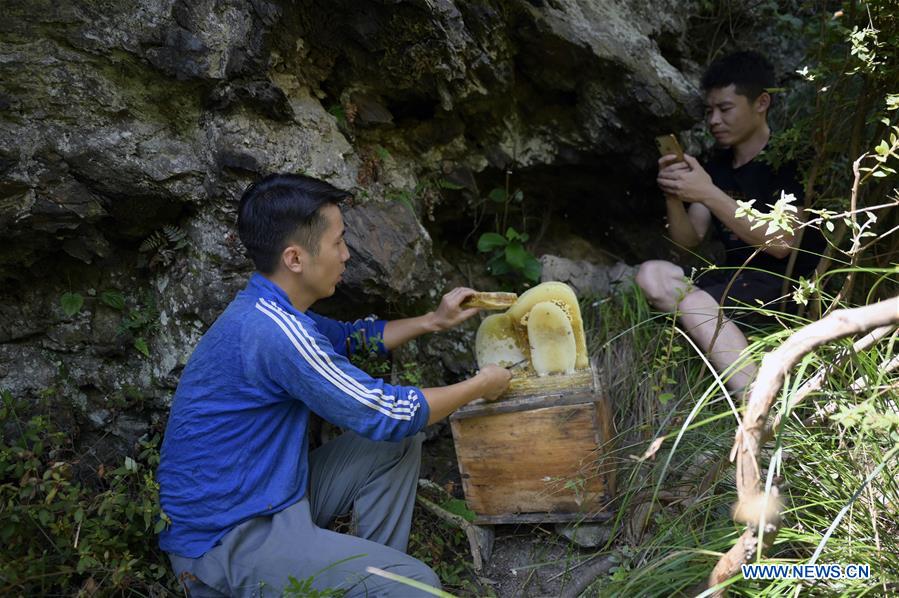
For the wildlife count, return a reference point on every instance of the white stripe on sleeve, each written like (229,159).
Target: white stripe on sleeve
(322,364)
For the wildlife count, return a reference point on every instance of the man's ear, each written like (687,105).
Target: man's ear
(293,257)
(763,102)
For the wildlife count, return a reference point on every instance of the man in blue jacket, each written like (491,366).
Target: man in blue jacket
(249,504)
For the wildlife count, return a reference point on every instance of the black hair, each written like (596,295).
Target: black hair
(281,208)
(749,72)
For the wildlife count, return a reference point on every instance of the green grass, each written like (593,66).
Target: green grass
(663,389)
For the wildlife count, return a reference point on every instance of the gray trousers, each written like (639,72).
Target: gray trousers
(376,480)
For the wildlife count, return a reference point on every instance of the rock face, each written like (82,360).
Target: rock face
(584,277)
(127,135)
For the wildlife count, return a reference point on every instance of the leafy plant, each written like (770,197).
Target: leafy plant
(459,507)
(162,245)
(61,530)
(444,548)
(142,322)
(839,123)
(71,303)
(382,152)
(113,299)
(509,254)
(367,355)
(368,358)
(836,456)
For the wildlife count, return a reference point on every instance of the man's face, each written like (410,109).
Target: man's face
(322,272)
(731,117)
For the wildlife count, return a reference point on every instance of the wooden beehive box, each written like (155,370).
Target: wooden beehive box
(540,453)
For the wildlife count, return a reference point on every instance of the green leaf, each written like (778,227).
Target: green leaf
(71,303)
(141,345)
(458,507)
(516,254)
(498,265)
(382,152)
(113,299)
(511,234)
(498,195)
(532,269)
(445,184)
(490,241)
(160,525)
(338,113)
(665,397)
(517,196)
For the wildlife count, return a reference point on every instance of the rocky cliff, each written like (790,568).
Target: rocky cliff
(128,131)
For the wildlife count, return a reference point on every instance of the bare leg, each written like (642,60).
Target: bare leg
(667,289)
(699,314)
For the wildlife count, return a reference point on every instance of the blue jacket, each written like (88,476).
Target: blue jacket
(236,443)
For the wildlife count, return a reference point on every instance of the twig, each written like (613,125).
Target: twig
(853,255)
(588,575)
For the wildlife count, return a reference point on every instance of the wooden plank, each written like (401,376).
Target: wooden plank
(542,518)
(523,404)
(605,439)
(582,386)
(538,461)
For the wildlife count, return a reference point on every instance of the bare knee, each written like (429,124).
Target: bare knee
(698,307)
(663,283)
(697,299)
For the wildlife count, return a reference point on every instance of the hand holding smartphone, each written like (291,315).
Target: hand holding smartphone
(668,144)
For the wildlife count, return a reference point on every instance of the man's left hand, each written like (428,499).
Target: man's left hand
(687,180)
(449,313)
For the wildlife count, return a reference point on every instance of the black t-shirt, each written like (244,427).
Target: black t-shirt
(759,181)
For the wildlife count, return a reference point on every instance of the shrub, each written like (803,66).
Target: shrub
(64,535)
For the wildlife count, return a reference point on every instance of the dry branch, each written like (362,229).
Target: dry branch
(582,580)
(815,383)
(750,435)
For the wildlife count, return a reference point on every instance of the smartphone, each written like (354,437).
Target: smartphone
(668,144)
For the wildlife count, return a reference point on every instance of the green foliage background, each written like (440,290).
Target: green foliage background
(68,530)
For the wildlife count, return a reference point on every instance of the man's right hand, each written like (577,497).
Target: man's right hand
(667,164)
(495,380)
(489,383)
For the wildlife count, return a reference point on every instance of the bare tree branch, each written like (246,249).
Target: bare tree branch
(754,506)
(815,383)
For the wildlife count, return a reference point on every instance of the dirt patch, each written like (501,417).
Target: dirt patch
(531,561)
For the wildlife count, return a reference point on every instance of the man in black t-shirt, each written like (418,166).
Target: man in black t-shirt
(737,101)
